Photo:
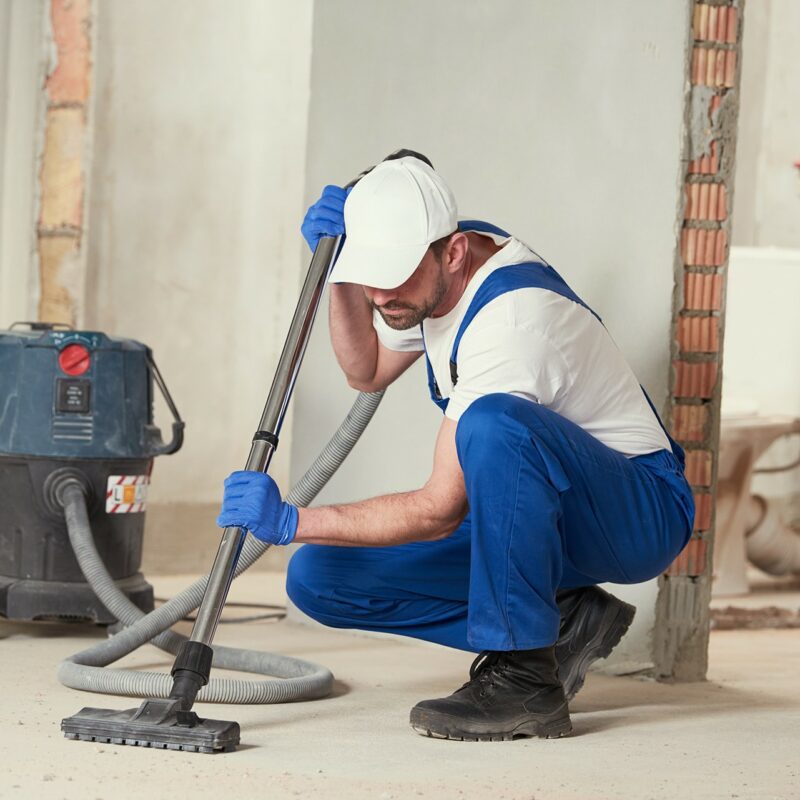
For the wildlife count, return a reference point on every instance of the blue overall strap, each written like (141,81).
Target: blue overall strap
(433,387)
(465,226)
(479,226)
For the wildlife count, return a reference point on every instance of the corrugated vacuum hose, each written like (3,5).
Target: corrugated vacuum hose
(293,679)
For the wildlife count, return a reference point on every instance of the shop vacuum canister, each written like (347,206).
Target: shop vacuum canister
(77,402)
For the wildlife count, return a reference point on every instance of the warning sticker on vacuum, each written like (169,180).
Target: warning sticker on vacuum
(126,494)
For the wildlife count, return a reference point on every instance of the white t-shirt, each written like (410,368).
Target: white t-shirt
(536,344)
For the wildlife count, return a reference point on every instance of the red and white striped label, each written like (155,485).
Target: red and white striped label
(126,494)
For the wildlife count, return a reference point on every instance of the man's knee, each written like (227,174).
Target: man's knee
(489,436)
(491,418)
(304,582)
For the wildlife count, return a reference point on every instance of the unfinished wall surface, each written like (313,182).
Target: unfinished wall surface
(767,206)
(197,188)
(21,76)
(561,122)
(65,162)
(681,643)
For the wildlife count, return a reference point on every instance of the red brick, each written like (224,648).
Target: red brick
(703,504)
(712,67)
(689,423)
(698,467)
(702,292)
(713,201)
(719,68)
(721,29)
(698,334)
(707,252)
(722,203)
(692,201)
(707,65)
(692,561)
(701,211)
(695,380)
(699,66)
(700,249)
(711,28)
(732,25)
(700,21)
(69,81)
(720,246)
(688,245)
(729,74)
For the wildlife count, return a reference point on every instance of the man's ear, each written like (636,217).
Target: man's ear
(455,254)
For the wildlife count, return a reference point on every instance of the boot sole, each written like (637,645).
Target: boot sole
(600,646)
(440,726)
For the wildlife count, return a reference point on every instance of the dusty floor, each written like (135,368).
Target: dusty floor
(736,736)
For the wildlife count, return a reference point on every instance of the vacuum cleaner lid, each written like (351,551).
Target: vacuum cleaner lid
(78,394)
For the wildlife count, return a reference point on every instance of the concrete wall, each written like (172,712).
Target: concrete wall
(20,76)
(767,206)
(559,121)
(198,182)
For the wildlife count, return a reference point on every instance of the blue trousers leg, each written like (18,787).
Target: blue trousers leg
(550,507)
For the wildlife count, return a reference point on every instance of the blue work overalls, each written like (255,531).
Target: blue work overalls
(551,507)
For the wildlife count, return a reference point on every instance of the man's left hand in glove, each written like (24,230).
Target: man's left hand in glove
(253,501)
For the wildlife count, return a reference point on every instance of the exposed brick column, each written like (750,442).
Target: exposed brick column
(681,637)
(63,164)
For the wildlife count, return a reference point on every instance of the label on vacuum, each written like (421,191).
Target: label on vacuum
(127,494)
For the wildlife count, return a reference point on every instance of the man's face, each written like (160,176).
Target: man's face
(406,306)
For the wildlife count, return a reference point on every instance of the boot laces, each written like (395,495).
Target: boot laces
(485,668)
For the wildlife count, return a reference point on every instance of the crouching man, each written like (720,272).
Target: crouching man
(552,471)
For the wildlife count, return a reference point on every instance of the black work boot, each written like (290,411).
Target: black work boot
(592,624)
(508,694)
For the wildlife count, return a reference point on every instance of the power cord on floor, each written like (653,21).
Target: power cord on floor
(279,612)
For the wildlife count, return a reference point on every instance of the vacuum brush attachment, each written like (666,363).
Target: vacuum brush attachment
(156,723)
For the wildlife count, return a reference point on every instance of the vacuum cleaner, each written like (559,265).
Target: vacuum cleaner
(72,490)
(74,405)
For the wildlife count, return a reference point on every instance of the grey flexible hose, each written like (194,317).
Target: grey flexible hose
(296,679)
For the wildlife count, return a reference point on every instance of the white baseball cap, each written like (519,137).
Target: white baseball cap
(391,216)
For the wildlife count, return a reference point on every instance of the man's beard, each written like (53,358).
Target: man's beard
(411,315)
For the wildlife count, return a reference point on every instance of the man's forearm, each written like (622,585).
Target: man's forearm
(352,334)
(386,520)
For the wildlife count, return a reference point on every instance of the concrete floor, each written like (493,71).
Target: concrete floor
(735,736)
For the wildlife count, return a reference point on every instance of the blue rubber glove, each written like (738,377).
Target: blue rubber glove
(252,500)
(325,217)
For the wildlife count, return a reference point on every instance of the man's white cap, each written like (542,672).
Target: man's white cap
(391,216)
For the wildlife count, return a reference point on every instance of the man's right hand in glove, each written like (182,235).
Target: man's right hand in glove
(325,217)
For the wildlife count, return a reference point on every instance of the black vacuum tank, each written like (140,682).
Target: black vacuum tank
(80,401)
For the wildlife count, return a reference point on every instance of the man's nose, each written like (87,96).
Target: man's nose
(380,297)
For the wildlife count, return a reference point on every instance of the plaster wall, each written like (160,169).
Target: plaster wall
(767,203)
(562,122)
(20,76)
(762,328)
(196,190)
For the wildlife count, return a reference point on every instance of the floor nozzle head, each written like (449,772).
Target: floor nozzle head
(156,723)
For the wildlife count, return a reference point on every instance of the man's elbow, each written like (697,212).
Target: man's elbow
(447,519)
(365,386)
